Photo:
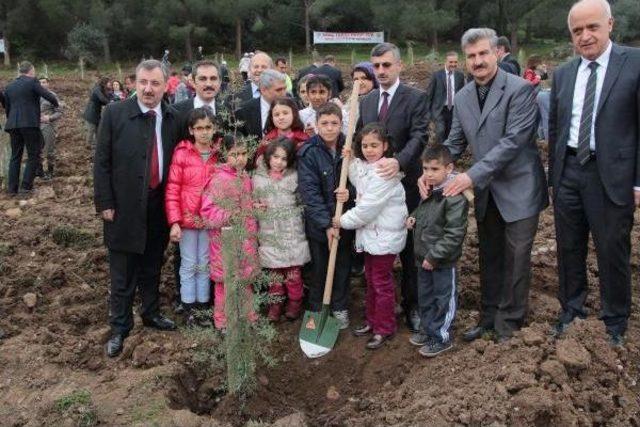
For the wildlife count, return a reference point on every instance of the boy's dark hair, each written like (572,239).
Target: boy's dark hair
(319,80)
(132,77)
(229,142)
(374,128)
(437,152)
(504,42)
(281,142)
(43,78)
(280,59)
(199,114)
(327,109)
(204,63)
(289,102)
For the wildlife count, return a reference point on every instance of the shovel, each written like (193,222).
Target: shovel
(320,330)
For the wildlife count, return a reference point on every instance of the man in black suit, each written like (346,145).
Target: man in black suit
(442,88)
(254,113)
(135,143)
(507,61)
(309,69)
(594,166)
(22,106)
(403,111)
(329,69)
(259,62)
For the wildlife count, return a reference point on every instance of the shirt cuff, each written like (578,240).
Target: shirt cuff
(636,188)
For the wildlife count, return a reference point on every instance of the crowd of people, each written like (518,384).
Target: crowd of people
(182,172)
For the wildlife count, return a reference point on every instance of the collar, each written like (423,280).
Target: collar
(602,60)
(199,102)
(144,108)
(392,90)
(264,103)
(254,87)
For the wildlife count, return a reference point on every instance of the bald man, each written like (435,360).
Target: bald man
(594,166)
(259,62)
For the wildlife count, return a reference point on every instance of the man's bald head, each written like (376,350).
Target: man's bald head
(259,62)
(590,24)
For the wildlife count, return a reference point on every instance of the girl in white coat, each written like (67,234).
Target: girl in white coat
(379,220)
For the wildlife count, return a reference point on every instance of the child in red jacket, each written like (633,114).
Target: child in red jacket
(191,167)
(283,120)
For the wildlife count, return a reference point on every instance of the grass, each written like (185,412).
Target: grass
(147,414)
(67,236)
(77,398)
(80,405)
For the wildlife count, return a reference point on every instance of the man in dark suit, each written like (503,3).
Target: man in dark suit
(22,106)
(135,143)
(251,90)
(594,166)
(507,61)
(328,68)
(497,116)
(402,109)
(254,113)
(442,88)
(309,69)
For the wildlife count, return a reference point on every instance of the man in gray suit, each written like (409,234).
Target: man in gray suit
(594,166)
(497,116)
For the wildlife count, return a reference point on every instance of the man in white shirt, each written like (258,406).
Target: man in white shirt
(594,166)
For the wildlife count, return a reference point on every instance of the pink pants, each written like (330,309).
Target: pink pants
(219,317)
(381,296)
(290,286)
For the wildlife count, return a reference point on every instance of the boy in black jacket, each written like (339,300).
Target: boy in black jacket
(439,225)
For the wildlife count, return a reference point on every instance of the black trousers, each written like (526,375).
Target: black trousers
(409,283)
(176,269)
(31,139)
(320,258)
(443,124)
(581,206)
(505,269)
(142,271)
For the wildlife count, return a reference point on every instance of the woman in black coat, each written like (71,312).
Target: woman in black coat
(100,96)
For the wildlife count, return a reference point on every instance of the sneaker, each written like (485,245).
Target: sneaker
(616,340)
(363,330)
(342,316)
(434,348)
(419,339)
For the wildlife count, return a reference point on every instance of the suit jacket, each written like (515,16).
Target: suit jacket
(97,100)
(303,72)
(503,141)
(249,115)
(22,102)
(184,108)
(245,94)
(510,64)
(406,123)
(121,170)
(437,91)
(337,85)
(617,123)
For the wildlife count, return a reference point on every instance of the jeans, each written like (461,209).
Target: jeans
(194,266)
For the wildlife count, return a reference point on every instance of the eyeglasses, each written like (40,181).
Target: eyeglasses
(377,65)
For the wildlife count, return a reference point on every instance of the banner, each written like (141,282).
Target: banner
(320,37)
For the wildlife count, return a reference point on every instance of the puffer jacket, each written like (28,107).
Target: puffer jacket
(298,137)
(188,174)
(318,178)
(441,224)
(282,242)
(227,202)
(380,213)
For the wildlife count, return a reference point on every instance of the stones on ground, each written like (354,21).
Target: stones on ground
(119,411)
(146,355)
(573,355)
(555,370)
(43,193)
(30,300)
(294,420)
(332,393)
(531,337)
(13,213)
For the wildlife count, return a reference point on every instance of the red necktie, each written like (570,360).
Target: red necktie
(384,108)
(154,179)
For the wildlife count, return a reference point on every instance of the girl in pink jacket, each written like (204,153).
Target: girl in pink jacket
(191,167)
(227,202)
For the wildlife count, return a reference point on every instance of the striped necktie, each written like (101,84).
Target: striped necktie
(584,134)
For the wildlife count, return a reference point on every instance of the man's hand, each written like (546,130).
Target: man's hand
(636,197)
(387,168)
(332,233)
(176,233)
(460,183)
(45,118)
(309,129)
(342,195)
(410,222)
(427,265)
(424,187)
(108,215)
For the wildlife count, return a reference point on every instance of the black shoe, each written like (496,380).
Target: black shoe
(357,270)
(503,339)
(559,329)
(434,348)
(412,319)
(178,307)
(419,339)
(160,322)
(377,341)
(47,176)
(362,330)
(114,345)
(616,340)
(474,333)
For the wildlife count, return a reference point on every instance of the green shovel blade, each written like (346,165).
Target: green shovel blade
(318,333)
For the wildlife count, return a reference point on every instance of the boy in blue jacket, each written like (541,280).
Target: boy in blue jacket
(319,163)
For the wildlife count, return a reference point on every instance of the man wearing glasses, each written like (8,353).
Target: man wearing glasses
(403,111)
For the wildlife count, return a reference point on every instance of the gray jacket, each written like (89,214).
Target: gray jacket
(48,109)
(503,142)
(281,237)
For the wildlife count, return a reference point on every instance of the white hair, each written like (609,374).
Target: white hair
(269,60)
(606,7)
(269,77)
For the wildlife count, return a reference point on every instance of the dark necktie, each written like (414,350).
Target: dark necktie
(154,179)
(384,108)
(483,91)
(209,109)
(449,91)
(584,134)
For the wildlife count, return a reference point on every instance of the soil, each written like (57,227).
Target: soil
(53,320)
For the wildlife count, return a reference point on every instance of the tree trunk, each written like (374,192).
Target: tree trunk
(434,39)
(238,38)
(187,45)
(514,38)
(7,58)
(307,25)
(106,51)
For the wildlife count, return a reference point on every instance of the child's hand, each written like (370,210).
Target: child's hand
(427,265)
(259,205)
(337,102)
(309,129)
(410,222)
(346,153)
(342,195)
(332,233)
(336,222)
(175,233)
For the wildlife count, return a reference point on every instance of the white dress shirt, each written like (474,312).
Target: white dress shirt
(198,103)
(451,81)
(255,90)
(578,96)
(264,112)
(158,110)
(391,91)
(308,116)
